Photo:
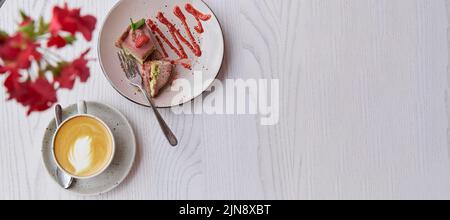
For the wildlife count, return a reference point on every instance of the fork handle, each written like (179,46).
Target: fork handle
(165,128)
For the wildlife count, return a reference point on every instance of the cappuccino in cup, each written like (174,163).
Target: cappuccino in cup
(83,146)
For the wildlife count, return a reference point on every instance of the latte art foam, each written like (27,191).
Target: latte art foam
(81,155)
(83,146)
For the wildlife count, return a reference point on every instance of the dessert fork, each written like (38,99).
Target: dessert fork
(132,71)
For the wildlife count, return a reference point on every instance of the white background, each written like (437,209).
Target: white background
(363,109)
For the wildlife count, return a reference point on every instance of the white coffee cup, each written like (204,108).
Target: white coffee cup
(79,153)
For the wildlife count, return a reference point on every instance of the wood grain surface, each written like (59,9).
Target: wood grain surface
(363,109)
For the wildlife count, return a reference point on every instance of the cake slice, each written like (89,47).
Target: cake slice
(156,75)
(137,41)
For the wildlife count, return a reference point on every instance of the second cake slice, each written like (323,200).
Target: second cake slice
(156,75)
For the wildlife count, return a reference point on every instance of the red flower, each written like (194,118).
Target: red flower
(56,41)
(41,96)
(25,69)
(37,96)
(3,69)
(17,52)
(11,84)
(11,47)
(70,20)
(78,68)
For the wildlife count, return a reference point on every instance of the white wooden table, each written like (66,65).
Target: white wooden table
(364,109)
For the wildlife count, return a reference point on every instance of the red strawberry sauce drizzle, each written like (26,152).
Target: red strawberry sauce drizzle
(161,45)
(194,47)
(156,29)
(177,36)
(198,16)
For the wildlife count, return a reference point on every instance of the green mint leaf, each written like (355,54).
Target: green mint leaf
(140,23)
(133,26)
(137,25)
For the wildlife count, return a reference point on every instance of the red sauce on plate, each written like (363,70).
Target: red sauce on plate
(198,16)
(176,35)
(194,47)
(156,29)
(184,63)
(164,52)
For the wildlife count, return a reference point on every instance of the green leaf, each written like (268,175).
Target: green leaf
(56,70)
(29,30)
(42,27)
(70,39)
(140,23)
(23,15)
(133,26)
(137,25)
(3,34)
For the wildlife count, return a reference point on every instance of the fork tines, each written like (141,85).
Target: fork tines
(124,63)
(128,64)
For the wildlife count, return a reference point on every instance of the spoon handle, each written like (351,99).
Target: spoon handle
(82,108)
(58,115)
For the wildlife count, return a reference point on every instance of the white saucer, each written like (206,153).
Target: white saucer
(123,159)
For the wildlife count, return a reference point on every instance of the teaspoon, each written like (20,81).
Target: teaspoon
(63,179)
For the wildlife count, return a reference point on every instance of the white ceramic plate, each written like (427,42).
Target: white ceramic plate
(211,42)
(123,157)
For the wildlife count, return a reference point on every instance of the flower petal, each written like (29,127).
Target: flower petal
(70,72)
(56,41)
(70,20)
